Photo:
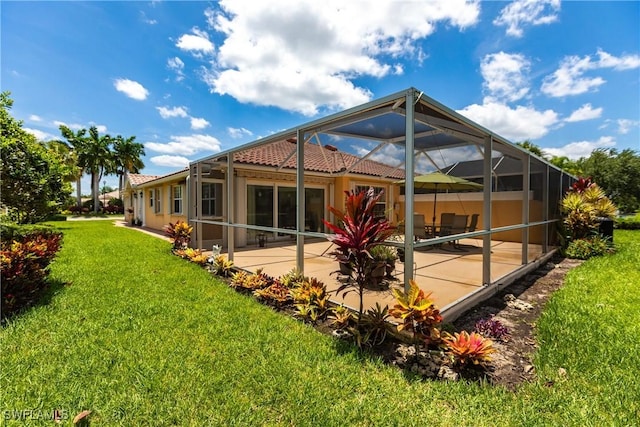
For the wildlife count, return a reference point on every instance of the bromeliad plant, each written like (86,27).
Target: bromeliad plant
(492,328)
(417,312)
(179,233)
(468,348)
(356,232)
(221,266)
(583,206)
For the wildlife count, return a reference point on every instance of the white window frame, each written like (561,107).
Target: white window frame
(175,199)
(221,195)
(158,207)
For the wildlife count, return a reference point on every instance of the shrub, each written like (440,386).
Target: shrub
(23,267)
(417,312)
(356,232)
(588,247)
(491,328)
(243,280)
(222,266)
(341,317)
(583,206)
(179,233)
(628,223)
(276,294)
(376,326)
(465,348)
(195,256)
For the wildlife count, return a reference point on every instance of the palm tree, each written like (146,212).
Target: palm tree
(531,147)
(76,143)
(127,155)
(97,159)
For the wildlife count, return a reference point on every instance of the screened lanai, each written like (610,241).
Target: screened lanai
(266,212)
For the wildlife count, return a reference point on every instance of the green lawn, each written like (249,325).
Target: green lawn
(141,337)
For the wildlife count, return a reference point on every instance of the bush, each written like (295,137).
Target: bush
(24,259)
(628,223)
(589,247)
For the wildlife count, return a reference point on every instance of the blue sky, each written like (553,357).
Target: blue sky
(189,79)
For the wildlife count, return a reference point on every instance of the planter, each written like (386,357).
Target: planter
(346,269)
(400,254)
(389,268)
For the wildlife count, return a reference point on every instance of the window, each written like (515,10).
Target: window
(380,209)
(158,206)
(177,199)
(151,198)
(211,199)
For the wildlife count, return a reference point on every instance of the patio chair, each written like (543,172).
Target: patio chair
(458,225)
(419,230)
(474,223)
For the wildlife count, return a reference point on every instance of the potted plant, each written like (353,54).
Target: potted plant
(386,256)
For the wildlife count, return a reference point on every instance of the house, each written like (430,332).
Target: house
(256,192)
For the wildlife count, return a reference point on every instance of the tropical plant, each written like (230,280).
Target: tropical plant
(589,247)
(76,141)
(376,326)
(127,157)
(179,233)
(222,266)
(276,294)
(306,312)
(23,267)
(196,256)
(292,278)
(97,159)
(243,280)
(584,205)
(492,328)
(417,312)
(341,317)
(468,348)
(356,232)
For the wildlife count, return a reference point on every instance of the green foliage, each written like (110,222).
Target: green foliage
(468,348)
(583,207)
(628,223)
(32,184)
(222,266)
(23,267)
(341,317)
(417,312)
(179,233)
(375,325)
(588,247)
(618,173)
(531,147)
(276,294)
(251,282)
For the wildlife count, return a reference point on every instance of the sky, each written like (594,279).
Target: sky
(189,79)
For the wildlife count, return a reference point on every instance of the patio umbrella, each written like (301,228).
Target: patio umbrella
(439,181)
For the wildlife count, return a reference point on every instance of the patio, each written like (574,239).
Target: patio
(451,276)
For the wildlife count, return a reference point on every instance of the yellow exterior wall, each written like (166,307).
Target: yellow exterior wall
(158,220)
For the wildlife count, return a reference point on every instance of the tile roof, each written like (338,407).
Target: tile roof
(137,179)
(332,161)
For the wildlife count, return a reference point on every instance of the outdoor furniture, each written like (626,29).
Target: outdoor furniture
(419,230)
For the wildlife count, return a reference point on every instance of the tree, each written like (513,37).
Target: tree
(127,154)
(97,159)
(567,165)
(69,160)
(618,174)
(76,142)
(32,182)
(531,147)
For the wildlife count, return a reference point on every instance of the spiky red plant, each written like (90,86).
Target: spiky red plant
(356,232)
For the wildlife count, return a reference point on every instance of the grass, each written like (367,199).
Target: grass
(140,337)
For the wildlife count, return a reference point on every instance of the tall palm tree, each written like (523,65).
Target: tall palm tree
(97,159)
(127,154)
(76,142)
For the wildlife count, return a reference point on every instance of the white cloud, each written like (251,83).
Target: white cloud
(198,123)
(177,66)
(166,112)
(533,12)
(569,79)
(72,126)
(40,135)
(237,133)
(505,76)
(147,20)
(576,150)
(35,118)
(586,112)
(196,43)
(625,125)
(515,124)
(101,128)
(305,55)
(131,88)
(186,145)
(170,161)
